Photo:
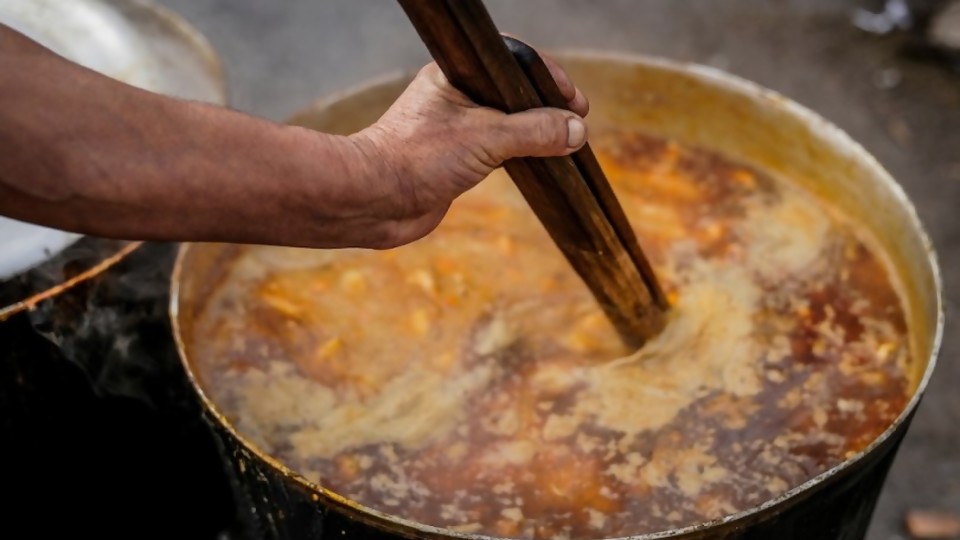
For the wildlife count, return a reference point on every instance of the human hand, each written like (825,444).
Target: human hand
(103,158)
(434,144)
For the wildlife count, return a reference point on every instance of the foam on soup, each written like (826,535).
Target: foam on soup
(469,381)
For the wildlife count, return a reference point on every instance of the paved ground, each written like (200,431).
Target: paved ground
(280,56)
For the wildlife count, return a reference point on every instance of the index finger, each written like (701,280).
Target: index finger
(575,99)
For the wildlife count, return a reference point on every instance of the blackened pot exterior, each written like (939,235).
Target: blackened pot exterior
(98,422)
(693,105)
(274,506)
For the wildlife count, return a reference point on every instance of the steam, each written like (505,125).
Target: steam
(114,327)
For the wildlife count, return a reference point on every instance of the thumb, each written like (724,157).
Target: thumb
(541,132)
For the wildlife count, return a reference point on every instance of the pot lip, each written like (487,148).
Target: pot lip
(198,40)
(724,81)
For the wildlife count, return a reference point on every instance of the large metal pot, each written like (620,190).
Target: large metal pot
(693,105)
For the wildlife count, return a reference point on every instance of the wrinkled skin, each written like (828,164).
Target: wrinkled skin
(85,153)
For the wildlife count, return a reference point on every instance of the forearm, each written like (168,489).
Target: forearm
(81,152)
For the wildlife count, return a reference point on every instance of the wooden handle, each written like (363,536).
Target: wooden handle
(546,87)
(465,43)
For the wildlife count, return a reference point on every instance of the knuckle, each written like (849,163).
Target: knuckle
(428,69)
(548,133)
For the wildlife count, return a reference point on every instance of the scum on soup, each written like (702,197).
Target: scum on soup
(469,381)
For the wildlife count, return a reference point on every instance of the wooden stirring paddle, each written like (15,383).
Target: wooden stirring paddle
(570,195)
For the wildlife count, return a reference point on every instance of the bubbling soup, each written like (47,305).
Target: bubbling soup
(469,381)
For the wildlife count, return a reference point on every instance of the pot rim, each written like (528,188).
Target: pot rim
(725,81)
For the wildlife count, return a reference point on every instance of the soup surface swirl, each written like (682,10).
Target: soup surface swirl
(469,381)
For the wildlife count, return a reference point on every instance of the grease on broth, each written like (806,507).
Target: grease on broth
(469,381)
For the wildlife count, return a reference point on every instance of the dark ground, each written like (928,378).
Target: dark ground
(280,56)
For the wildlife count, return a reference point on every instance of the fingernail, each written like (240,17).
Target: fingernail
(576,133)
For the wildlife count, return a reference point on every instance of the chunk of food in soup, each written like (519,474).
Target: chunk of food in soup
(469,381)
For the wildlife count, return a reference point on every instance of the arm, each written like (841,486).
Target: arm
(82,152)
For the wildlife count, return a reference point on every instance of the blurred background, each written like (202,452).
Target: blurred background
(885,71)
